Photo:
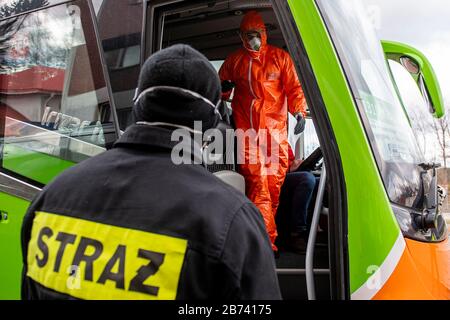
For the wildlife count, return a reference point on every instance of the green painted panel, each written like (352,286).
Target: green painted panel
(34,165)
(372,227)
(10,246)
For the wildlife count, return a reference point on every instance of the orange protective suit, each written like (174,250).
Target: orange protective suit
(266,83)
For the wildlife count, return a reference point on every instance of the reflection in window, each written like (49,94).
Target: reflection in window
(123,57)
(120,28)
(12,7)
(416,108)
(54,108)
(131,56)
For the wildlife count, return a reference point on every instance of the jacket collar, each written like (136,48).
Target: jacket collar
(141,135)
(145,136)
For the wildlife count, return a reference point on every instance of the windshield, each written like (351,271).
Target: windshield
(386,123)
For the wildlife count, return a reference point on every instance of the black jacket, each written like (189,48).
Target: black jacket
(129,224)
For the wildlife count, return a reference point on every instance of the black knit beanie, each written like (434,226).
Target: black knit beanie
(184,67)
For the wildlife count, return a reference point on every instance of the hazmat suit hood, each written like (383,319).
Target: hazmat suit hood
(253,21)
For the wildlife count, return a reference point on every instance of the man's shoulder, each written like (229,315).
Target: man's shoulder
(222,198)
(215,188)
(155,173)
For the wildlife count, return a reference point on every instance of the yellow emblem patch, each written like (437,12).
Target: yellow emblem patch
(91,260)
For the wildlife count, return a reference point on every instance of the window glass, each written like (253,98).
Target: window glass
(310,138)
(13,7)
(120,28)
(389,131)
(112,58)
(304,144)
(416,108)
(54,105)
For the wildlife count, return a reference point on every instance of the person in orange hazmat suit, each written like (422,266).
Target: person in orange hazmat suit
(266,87)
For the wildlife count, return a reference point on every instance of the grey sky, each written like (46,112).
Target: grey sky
(423,24)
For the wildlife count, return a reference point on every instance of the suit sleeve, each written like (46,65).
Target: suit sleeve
(292,87)
(226,73)
(249,255)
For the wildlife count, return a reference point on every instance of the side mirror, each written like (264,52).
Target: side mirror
(419,67)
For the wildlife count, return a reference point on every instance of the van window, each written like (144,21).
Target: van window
(54,105)
(303,144)
(417,109)
(120,29)
(311,139)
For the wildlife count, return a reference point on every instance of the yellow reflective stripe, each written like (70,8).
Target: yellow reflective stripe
(113,262)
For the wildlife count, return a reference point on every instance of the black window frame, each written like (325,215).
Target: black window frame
(338,219)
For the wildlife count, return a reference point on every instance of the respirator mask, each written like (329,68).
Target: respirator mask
(252,39)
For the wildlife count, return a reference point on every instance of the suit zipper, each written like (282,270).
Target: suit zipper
(251,90)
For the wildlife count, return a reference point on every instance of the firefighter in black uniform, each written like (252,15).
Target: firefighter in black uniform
(132,224)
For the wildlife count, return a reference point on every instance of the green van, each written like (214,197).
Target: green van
(68,73)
